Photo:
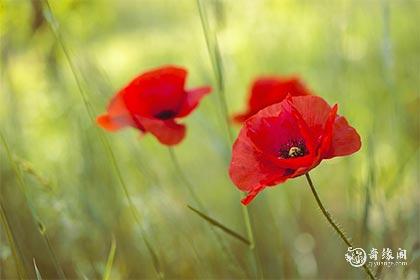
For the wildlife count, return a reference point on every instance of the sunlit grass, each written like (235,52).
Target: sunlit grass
(97,196)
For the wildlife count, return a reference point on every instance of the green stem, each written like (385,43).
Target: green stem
(185,179)
(220,225)
(22,187)
(327,215)
(54,27)
(200,205)
(110,260)
(55,258)
(216,61)
(20,269)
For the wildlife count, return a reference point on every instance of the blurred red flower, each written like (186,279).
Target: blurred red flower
(266,91)
(286,140)
(152,102)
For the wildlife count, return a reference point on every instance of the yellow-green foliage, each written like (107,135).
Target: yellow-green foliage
(64,207)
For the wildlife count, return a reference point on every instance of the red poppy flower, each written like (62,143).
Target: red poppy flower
(266,91)
(153,102)
(286,140)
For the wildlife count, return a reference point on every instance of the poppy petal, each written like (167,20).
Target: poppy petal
(276,126)
(314,110)
(345,139)
(240,118)
(106,122)
(249,170)
(271,127)
(304,129)
(192,99)
(251,195)
(117,116)
(287,139)
(167,132)
(326,140)
(156,91)
(269,90)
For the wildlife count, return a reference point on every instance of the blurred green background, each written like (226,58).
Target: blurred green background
(62,202)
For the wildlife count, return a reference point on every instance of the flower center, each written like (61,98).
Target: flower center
(292,149)
(295,152)
(165,115)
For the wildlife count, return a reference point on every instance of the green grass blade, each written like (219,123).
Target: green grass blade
(20,268)
(187,183)
(48,13)
(27,167)
(110,260)
(38,274)
(17,256)
(21,187)
(370,183)
(217,65)
(230,256)
(221,226)
(43,231)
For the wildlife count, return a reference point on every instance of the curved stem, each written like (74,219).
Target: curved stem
(327,215)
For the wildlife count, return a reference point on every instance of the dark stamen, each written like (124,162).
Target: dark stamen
(165,115)
(293,148)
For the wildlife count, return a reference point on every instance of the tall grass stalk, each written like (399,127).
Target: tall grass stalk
(54,28)
(370,182)
(150,174)
(388,64)
(220,225)
(217,66)
(184,179)
(216,62)
(43,231)
(334,224)
(27,167)
(110,260)
(38,274)
(17,255)
(22,189)
(387,48)
(230,255)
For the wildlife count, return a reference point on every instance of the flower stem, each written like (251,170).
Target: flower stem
(327,215)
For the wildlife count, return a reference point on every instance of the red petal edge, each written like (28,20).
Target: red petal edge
(345,139)
(117,115)
(167,132)
(251,195)
(192,99)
